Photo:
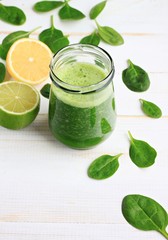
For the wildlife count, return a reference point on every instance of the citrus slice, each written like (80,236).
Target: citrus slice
(28,61)
(19,104)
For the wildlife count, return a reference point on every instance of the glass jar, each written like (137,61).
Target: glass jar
(82,105)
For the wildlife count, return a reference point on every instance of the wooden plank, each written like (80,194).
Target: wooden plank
(44,189)
(43,231)
(43,181)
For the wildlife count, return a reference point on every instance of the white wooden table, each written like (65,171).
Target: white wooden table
(45,192)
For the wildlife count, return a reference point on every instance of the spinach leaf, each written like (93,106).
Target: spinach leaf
(145,213)
(135,78)
(1,50)
(141,153)
(92,117)
(67,12)
(103,167)
(10,39)
(113,104)
(97,9)
(150,109)
(45,91)
(46,6)
(12,14)
(2,72)
(59,44)
(109,35)
(105,126)
(93,39)
(53,38)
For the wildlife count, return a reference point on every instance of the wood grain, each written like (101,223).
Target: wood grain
(44,189)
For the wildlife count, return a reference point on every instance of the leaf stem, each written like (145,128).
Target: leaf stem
(141,100)
(95,31)
(130,136)
(118,155)
(129,62)
(34,29)
(164,233)
(52,21)
(97,23)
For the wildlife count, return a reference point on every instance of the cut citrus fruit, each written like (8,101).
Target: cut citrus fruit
(19,104)
(28,61)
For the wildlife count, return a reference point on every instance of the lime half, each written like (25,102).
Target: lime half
(19,104)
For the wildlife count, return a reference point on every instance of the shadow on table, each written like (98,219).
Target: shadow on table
(40,128)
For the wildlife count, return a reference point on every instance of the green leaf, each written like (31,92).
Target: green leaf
(97,9)
(93,39)
(113,104)
(103,167)
(10,39)
(1,50)
(59,44)
(150,109)
(141,153)
(67,12)
(135,78)
(53,38)
(2,72)
(46,6)
(144,213)
(105,126)
(109,35)
(45,91)
(12,14)
(93,116)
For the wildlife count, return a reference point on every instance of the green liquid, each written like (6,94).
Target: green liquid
(81,120)
(81,74)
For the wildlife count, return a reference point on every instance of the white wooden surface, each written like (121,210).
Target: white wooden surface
(44,189)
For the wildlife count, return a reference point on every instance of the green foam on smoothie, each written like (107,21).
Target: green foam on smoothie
(80,74)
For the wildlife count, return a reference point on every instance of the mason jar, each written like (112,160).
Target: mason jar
(81,103)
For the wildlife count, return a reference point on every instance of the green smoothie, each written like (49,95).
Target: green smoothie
(81,120)
(81,74)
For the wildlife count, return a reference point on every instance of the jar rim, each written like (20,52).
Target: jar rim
(82,89)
